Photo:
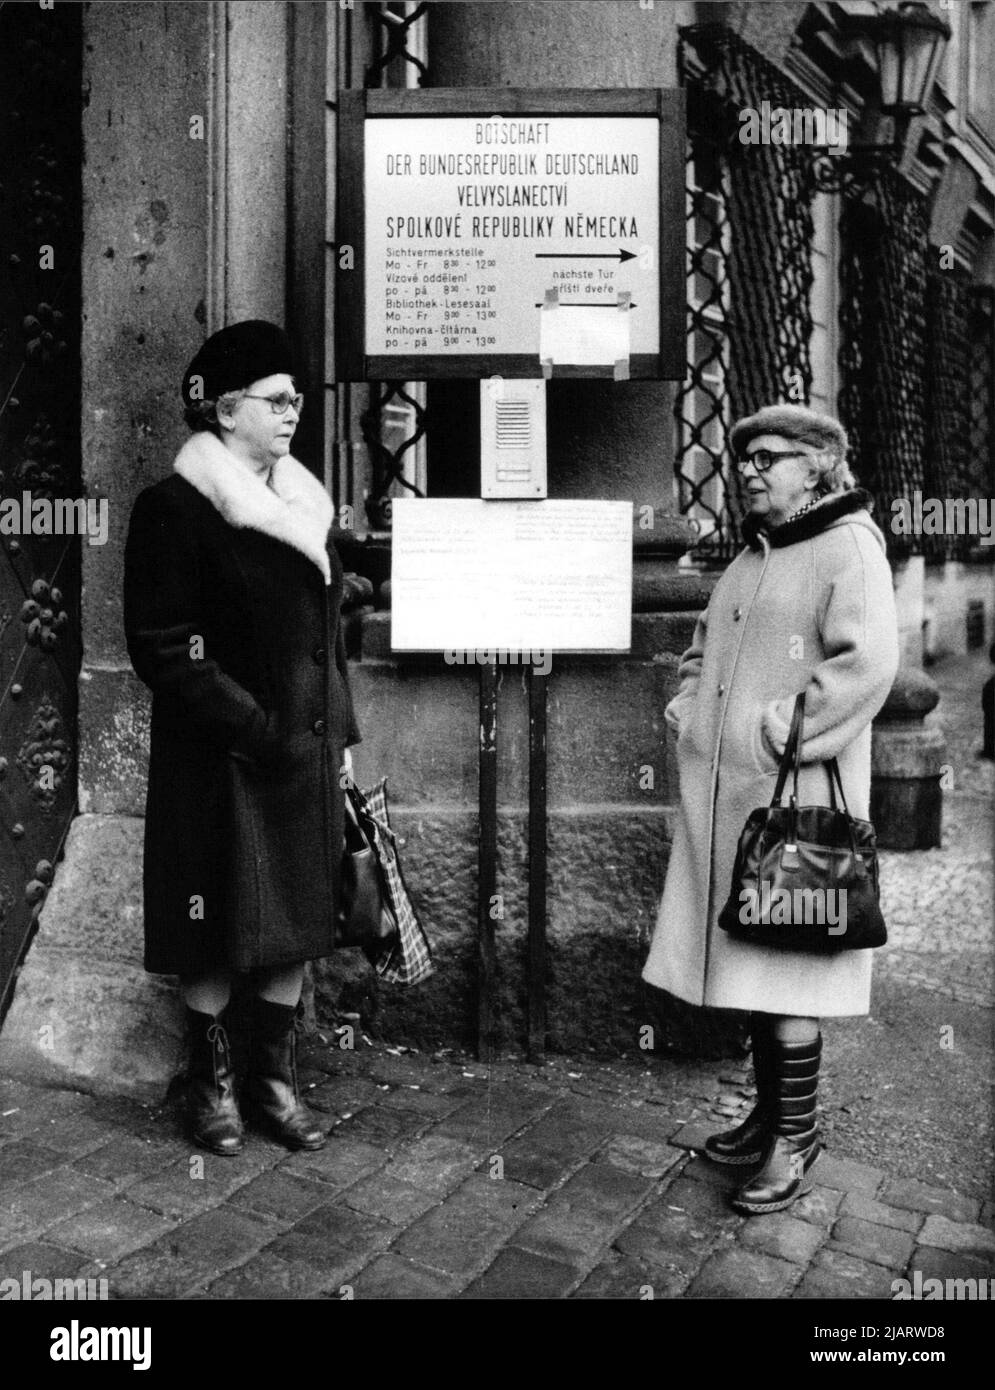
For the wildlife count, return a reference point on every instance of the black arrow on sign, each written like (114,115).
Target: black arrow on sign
(619,255)
(582,303)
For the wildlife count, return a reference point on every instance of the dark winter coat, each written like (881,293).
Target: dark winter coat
(811,608)
(232,594)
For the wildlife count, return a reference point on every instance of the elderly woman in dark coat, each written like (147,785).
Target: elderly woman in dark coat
(807,605)
(232,593)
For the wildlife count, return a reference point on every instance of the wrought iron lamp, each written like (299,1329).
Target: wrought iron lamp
(909,41)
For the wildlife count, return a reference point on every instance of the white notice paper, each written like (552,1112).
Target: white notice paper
(588,334)
(484,575)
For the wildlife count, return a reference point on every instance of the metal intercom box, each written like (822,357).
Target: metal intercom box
(512,438)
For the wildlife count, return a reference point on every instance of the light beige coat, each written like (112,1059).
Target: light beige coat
(813,612)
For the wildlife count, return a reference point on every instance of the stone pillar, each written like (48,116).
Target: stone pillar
(184,230)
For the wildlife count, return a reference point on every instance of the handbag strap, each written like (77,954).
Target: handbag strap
(835,780)
(791,760)
(791,763)
(792,755)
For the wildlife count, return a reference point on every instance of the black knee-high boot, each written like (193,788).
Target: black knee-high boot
(748,1141)
(794,1145)
(212,1107)
(273,1086)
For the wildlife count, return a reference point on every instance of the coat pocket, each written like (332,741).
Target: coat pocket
(764,758)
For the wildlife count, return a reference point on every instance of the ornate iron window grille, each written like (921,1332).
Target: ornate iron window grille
(981,426)
(883,401)
(395,23)
(395,410)
(750,233)
(953,471)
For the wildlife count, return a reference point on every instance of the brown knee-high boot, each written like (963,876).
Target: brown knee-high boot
(212,1107)
(273,1084)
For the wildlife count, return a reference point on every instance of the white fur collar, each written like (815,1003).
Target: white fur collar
(295,509)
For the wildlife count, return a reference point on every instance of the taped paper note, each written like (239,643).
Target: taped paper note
(584,335)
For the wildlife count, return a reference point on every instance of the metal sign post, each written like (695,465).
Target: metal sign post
(536,972)
(511,236)
(515,580)
(487,866)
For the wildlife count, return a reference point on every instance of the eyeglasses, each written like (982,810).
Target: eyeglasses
(281,403)
(763,460)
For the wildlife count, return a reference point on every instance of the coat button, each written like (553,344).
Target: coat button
(319,727)
(722,690)
(737,614)
(319,656)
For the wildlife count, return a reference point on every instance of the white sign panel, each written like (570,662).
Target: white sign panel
(489,235)
(511,576)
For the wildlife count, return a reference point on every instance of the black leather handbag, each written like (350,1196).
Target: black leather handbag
(805,877)
(364,915)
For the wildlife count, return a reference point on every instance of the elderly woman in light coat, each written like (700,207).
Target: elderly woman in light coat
(807,605)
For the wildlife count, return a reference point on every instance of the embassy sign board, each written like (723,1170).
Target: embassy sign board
(510,233)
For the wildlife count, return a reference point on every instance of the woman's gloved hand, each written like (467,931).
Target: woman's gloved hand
(672,714)
(264,747)
(775,729)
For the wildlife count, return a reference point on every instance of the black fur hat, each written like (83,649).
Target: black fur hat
(235,357)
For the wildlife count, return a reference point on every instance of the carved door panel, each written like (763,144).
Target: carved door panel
(40,236)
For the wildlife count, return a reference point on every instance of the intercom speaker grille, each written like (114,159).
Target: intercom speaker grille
(514,425)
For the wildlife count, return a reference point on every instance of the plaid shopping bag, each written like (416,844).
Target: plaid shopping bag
(409,960)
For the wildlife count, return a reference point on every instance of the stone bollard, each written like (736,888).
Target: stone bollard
(907,759)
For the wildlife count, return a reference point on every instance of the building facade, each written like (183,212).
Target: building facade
(205,148)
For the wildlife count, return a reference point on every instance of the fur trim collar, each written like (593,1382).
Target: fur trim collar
(810,523)
(294,509)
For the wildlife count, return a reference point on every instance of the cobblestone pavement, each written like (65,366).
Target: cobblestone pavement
(908,1088)
(444,1178)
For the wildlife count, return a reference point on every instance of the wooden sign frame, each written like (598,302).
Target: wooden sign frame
(357,108)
